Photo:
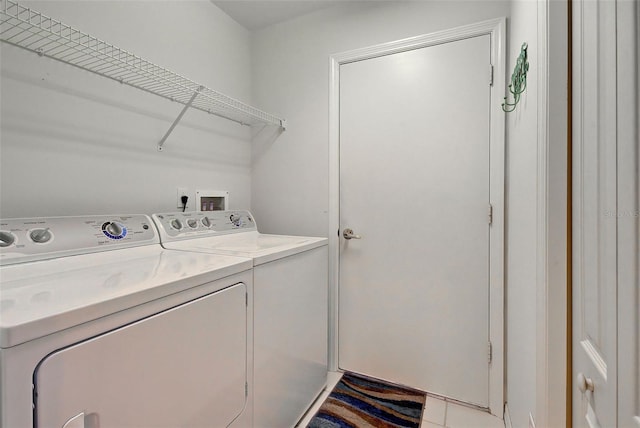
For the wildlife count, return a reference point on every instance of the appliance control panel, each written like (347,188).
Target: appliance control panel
(183,225)
(28,239)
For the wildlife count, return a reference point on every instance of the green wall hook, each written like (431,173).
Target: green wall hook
(518,80)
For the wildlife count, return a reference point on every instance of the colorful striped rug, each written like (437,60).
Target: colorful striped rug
(358,402)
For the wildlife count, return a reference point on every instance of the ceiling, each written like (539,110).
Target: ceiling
(254,15)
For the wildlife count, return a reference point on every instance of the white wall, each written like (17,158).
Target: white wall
(290,77)
(72,143)
(521,221)
(537,218)
(290,172)
(75,143)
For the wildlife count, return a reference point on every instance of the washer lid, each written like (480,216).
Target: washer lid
(262,248)
(40,298)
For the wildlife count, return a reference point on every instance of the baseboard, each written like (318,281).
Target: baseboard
(507,417)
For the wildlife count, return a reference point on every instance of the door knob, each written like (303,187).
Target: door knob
(348,234)
(585,383)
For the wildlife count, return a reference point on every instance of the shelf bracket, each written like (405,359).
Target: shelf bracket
(175,122)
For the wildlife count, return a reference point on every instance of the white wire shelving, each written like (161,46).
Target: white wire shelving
(28,29)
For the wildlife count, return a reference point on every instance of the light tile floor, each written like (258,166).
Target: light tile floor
(441,413)
(437,413)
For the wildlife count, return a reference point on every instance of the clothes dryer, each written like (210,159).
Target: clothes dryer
(100,326)
(290,276)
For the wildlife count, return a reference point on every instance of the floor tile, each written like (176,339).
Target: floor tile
(434,410)
(427,424)
(465,417)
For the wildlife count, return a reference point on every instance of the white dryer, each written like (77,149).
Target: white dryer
(102,327)
(290,277)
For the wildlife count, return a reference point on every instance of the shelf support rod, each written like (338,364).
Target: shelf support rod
(175,122)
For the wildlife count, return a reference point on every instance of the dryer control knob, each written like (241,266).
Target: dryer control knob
(193,223)
(114,229)
(176,224)
(206,222)
(236,220)
(6,238)
(40,236)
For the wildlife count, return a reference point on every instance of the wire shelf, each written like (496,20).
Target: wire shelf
(28,29)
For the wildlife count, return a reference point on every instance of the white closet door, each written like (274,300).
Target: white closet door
(185,367)
(595,282)
(628,106)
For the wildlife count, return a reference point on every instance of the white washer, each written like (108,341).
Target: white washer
(100,326)
(290,277)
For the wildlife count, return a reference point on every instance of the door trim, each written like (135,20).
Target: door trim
(496,29)
(552,199)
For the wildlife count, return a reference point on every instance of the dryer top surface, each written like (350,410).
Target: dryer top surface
(262,248)
(232,233)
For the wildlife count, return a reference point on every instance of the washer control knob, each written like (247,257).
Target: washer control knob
(6,238)
(114,229)
(40,236)
(176,224)
(206,222)
(193,223)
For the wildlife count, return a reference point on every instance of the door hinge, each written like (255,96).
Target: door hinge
(246,299)
(489,352)
(246,389)
(490,214)
(490,75)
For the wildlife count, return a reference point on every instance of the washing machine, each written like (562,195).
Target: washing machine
(290,278)
(102,327)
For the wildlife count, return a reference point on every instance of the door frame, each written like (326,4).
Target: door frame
(496,29)
(553,199)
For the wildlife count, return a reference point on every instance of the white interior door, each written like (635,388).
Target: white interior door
(415,185)
(606,298)
(628,168)
(594,207)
